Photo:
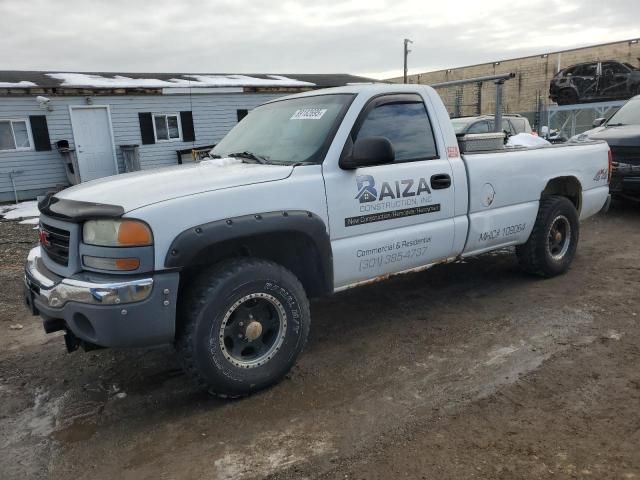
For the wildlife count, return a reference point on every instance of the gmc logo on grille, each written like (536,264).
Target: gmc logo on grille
(44,238)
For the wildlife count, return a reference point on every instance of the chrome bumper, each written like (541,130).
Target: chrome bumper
(56,292)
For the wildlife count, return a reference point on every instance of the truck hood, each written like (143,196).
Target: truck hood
(137,189)
(623,136)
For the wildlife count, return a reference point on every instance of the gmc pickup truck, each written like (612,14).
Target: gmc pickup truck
(308,195)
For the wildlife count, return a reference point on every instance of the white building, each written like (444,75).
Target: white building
(95,114)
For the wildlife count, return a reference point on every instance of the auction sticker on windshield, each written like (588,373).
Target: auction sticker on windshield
(309,114)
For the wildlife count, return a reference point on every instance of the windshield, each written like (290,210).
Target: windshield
(629,114)
(459,124)
(287,131)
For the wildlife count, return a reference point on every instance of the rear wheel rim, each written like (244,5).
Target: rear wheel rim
(559,238)
(253,330)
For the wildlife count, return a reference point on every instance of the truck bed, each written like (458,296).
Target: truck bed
(504,188)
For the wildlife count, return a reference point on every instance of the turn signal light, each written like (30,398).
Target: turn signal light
(134,233)
(114,264)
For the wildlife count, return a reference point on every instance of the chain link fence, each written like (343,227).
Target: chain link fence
(572,120)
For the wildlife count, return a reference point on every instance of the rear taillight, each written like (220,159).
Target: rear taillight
(610,165)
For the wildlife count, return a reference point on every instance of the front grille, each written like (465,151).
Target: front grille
(55,242)
(630,155)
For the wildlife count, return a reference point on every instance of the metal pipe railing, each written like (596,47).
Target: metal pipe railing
(499,82)
(490,78)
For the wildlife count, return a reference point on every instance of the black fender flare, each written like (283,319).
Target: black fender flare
(189,244)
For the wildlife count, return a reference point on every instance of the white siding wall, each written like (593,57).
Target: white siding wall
(213,116)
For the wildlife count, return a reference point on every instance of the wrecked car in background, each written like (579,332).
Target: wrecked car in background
(595,82)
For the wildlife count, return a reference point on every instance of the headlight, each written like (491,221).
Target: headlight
(117,233)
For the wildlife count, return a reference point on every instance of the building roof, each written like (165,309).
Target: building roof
(112,80)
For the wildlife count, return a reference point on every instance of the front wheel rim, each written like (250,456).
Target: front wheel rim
(559,238)
(253,330)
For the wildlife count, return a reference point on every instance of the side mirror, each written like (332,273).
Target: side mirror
(368,152)
(598,122)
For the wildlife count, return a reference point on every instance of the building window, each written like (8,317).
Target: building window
(15,135)
(167,127)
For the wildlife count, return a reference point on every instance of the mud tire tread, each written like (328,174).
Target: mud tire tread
(198,295)
(531,255)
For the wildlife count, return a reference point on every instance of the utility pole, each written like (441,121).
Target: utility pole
(406,54)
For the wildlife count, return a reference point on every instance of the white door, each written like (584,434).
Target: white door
(391,218)
(94,142)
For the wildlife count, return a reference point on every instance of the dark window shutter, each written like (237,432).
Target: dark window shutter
(146,128)
(241,113)
(40,132)
(188,134)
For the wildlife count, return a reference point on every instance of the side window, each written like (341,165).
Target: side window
(614,67)
(586,70)
(506,126)
(479,127)
(518,125)
(406,125)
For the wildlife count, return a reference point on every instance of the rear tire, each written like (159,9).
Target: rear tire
(552,244)
(243,324)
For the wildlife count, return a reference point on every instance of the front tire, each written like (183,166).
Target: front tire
(553,242)
(243,324)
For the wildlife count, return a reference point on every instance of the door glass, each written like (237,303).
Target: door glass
(613,67)
(479,127)
(172,122)
(506,126)
(587,70)
(407,127)
(161,128)
(21,135)
(518,125)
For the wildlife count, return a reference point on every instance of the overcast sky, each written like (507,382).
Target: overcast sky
(260,36)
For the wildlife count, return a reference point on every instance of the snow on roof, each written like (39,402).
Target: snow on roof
(21,84)
(119,81)
(25,79)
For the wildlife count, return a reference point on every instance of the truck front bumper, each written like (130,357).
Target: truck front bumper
(625,180)
(107,311)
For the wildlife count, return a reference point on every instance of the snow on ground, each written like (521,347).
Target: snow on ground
(21,84)
(119,81)
(26,210)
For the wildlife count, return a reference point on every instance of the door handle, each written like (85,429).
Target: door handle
(440,181)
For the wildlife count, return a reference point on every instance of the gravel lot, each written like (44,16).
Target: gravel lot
(468,370)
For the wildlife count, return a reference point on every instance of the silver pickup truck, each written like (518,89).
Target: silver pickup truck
(308,195)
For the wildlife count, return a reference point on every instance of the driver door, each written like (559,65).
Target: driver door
(390,218)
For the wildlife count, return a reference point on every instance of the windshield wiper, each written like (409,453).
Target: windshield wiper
(250,156)
(616,124)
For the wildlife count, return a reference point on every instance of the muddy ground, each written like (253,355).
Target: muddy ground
(468,370)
